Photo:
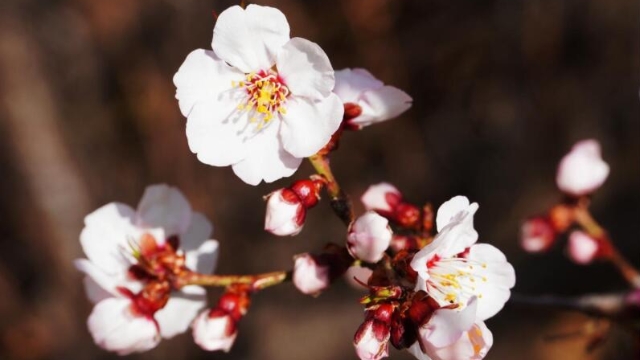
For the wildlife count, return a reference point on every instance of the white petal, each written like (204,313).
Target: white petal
(308,276)
(105,235)
(217,130)
(204,258)
(212,334)
(202,76)
(165,207)
(369,237)
(98,285)
(199,230)
(473,345)
(382,104)
(352,83)
(305,69)
(266,160)
(115,328)
(495,278)
(582,170)
(416,351)
(308,125)
(582,248)
(181,309)
(446,326)
(250,38)
(284,216)
(450,209)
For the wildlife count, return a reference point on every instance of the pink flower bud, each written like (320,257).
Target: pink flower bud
(537,235)
(369,237)
(214,330)
(582,170)
(382,197)
(309,276)
(582,248)
(372,340)
(285,213)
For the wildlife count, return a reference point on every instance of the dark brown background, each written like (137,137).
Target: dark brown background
(502,90)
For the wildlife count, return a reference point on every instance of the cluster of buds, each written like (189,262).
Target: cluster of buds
(216,328)
(581,172)
(287,207)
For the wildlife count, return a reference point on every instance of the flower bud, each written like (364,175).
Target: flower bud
(407,215)
(372,340)
(537,235)
(582,248)
(382,198)
(285,213)
(214,330)
(582,170)
(369,237)
(308,191)
(309,275)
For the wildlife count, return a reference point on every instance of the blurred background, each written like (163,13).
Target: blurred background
(502,89)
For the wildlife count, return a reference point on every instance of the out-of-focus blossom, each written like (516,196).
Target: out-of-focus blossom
(214,330)
(453,268)
(582,248)
(382,197)
(285,213)
(537,235)
(260,101)
(369,237)
(127,297)
(367,100)
(582,170)
(309,275)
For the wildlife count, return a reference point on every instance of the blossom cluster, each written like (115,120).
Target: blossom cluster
(261,102)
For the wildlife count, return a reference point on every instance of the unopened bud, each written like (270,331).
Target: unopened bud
(285,213)
(537,235)
(372,340)
(407,215)
(382,197)
(308,191)
(309,275)
(582,170)
(582,248)
(214,330)
(369,237)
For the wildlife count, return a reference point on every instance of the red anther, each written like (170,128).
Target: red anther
(407,215)
(307,191)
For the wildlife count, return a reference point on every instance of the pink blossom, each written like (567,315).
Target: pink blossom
(369,237)
(309,276)
(582,170)
(582,248)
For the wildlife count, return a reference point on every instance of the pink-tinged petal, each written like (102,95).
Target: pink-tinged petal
(369,237)
(180,310)
(217,131)
(537,235)
(305,69)
(416,351)
(308,125)
(250,38)
(199,230)
(372,340)
(164,207)
(285,213)
(381,105)
(116,328)
(309,276)
(105,237)
(450,210)
(214,333)
(381,197)
(582,170)
(202,76)
(446,326)
(473,345)
(352,83)
(582,248)
(98,285)
(494,277)
(266,159)
(203,259)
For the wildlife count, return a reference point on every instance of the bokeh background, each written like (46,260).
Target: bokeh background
(502,89)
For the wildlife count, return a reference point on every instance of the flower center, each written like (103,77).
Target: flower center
(455,280)
(266,96)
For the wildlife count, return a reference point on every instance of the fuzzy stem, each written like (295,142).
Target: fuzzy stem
(590,225)
(340,202)
(257,281)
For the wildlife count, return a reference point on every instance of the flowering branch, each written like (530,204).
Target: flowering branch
(340,202)
(255,281)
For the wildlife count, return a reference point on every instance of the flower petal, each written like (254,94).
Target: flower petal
(201,77)
(446,326)
(496,278)
(250,38)
(98,285)
(473,345)
(351,83)
(199,230)
(382,104)
(204,258)
(450,209)
(180,310)
(305,69)
(308,125)
(105,235)
(266,158)
(165,207)
(582,170)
